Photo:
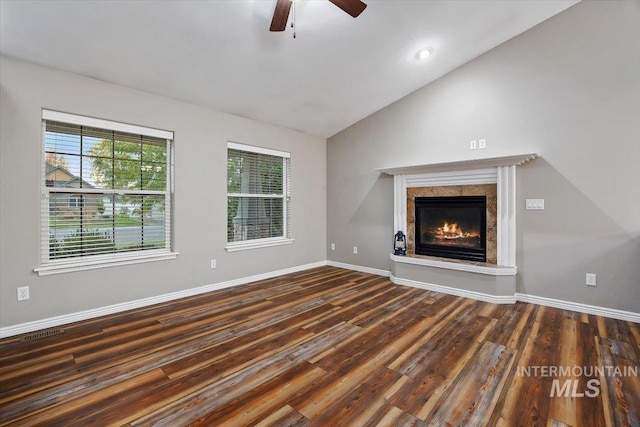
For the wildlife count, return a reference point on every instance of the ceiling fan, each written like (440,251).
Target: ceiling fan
(281,12)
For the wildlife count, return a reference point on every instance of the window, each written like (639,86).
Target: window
(258,197)
(75,201)
(106,193)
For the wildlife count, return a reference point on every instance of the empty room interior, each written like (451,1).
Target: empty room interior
(320,213)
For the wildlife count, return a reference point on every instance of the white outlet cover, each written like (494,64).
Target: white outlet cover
(473,145)
(482,144)
(333,246)
(591,279)
(213,263)
(355,249)
(23,293)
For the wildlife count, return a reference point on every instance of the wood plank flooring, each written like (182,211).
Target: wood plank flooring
(327,347)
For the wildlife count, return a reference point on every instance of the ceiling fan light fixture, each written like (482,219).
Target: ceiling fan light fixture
(423,54)
(281,12)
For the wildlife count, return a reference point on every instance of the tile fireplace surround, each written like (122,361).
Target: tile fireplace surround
(488,190)
(493,281)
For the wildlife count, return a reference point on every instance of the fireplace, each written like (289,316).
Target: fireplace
(451,227)
(493,178)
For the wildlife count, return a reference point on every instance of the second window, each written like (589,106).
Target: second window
(258,194)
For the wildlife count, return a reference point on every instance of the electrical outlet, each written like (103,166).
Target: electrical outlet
(591,279)
(473,144)
(333,246)
(355,249)
(23,293)
(213,263)
(482,144)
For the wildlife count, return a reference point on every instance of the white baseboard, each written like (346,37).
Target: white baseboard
(506,299)
(359,268)
(628,316)
(495,299)
(117,308)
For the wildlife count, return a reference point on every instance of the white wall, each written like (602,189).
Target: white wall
(568,89)
(201,136)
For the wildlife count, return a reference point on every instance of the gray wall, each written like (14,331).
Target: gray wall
(200,194)
(568,89)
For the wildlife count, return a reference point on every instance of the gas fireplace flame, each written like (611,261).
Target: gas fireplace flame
(452,231)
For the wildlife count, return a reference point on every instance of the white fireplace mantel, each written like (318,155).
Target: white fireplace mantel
(495,170)
(489,162)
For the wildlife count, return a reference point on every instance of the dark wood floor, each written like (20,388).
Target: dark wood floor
(324,347)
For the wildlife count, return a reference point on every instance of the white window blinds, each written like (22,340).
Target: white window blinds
(106,191)
(258,194)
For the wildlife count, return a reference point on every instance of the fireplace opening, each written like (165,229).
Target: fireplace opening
(452,227)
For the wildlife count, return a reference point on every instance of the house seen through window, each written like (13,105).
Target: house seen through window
(106,192)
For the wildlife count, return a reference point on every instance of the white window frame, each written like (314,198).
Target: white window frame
(285,239)
(67,265)
(77,200)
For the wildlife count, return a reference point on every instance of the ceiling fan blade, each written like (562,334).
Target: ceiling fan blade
(352,7)
(280,15)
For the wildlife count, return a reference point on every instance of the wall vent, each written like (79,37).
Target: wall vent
(42,334)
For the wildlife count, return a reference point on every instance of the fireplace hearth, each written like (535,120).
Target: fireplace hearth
(451,227)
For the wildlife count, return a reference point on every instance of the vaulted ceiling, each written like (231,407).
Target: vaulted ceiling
(220,54)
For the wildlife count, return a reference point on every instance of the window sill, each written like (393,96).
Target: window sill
(255,244)
(102,262)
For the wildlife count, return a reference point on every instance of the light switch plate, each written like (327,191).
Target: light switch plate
(535,204)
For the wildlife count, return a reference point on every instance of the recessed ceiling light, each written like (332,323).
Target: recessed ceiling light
(423,53)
